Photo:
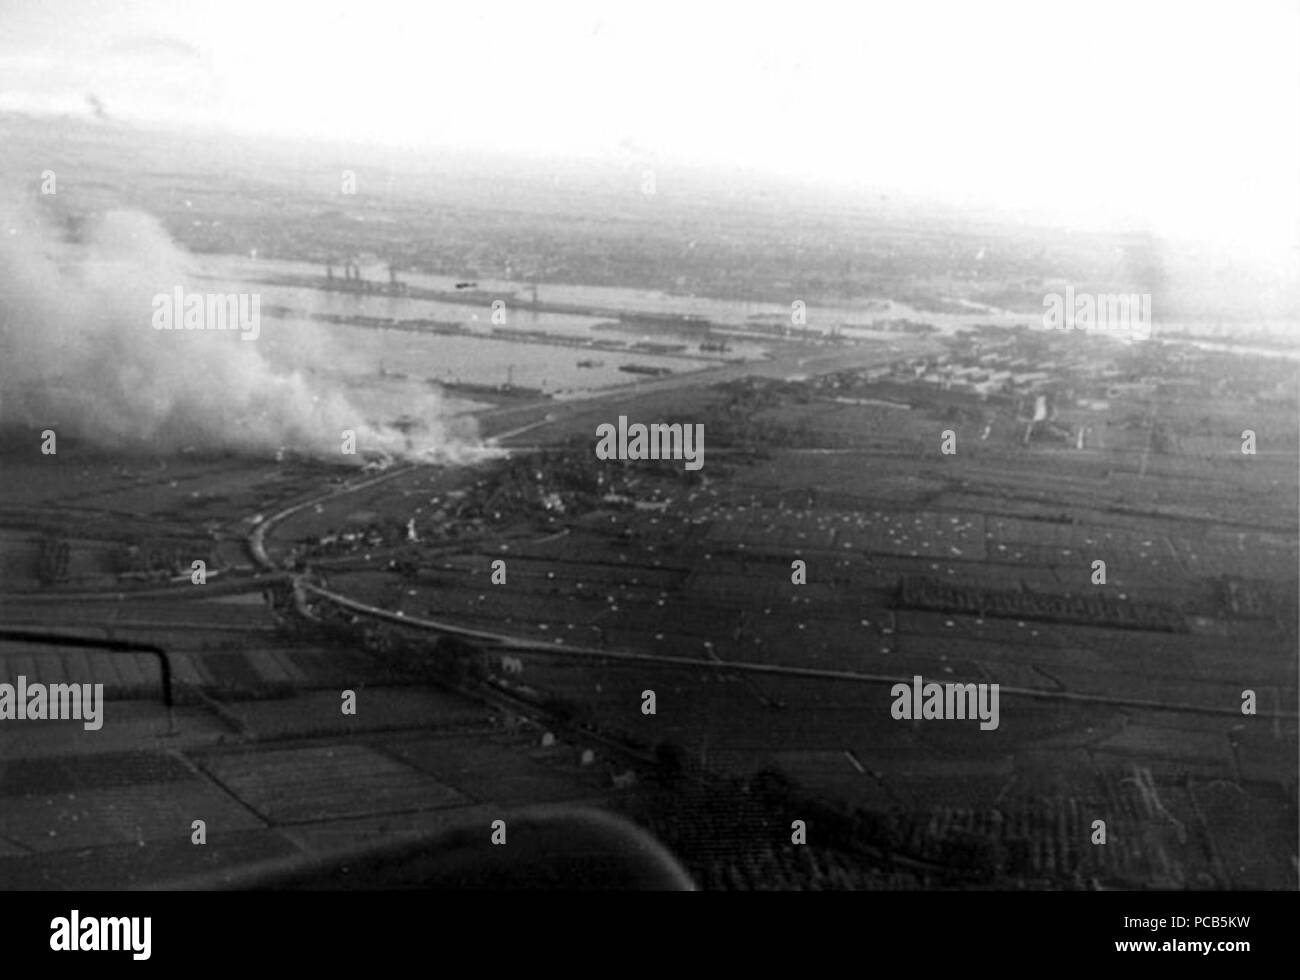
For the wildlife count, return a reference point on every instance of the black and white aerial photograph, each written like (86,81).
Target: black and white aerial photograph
(723,447)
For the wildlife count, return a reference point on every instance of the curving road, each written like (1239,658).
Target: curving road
(826,363)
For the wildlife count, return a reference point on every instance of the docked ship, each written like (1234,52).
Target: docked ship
(645,369)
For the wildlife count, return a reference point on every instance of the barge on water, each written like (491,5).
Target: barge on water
(655,372)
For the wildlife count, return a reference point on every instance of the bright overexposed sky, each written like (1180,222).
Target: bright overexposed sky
(1181,117)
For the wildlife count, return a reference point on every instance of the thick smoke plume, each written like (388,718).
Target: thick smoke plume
(79,354)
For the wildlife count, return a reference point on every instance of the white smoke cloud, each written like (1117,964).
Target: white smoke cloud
(79,354)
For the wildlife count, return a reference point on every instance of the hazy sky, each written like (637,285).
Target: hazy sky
(1180,116)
